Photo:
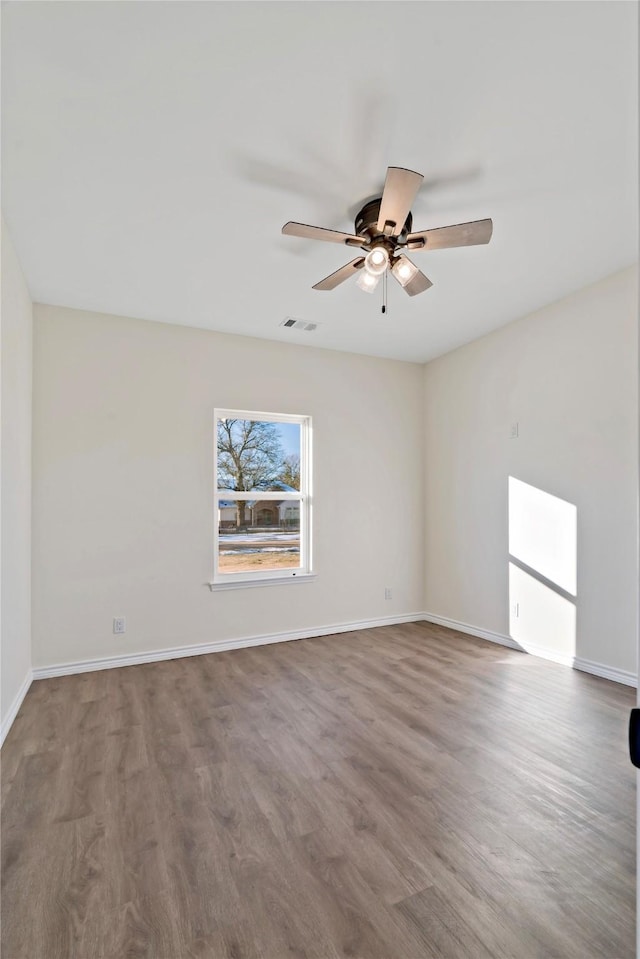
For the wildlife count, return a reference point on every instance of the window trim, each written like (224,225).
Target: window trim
(302,496)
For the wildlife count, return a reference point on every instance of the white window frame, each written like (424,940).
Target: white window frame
(303,497)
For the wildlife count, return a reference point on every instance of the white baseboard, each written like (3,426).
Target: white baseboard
(202,649)
(545,652)
(472,630)
(606,672)
(7,722)
(564,659)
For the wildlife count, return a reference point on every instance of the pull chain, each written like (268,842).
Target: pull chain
(384,292)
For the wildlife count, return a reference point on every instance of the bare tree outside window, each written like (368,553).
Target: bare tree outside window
(250,457)
(290,473)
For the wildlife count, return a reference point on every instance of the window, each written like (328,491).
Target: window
(262,466)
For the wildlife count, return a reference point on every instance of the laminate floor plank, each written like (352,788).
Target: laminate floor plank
(339,796)
(282,796)
(236,813)
(406,792)
(349,827)
(322,731)
(345,898)
(442,930)
(280,897)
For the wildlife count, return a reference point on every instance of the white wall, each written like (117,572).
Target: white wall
(16,336)
(122,498)
(122,482)
(568,376)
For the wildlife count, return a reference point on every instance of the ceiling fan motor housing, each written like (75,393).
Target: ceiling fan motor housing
(366,222)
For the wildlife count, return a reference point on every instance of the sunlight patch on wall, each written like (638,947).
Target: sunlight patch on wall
(540,618)
(543,534)
(543,571)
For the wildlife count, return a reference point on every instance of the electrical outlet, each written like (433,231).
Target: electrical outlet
(515,431)
(119,624)
(388,593)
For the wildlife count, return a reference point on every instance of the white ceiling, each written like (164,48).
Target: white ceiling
(153,151)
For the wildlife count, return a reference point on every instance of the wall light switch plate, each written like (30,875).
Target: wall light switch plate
(514,431)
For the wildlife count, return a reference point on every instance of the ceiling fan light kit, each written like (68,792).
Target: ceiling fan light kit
(383,228)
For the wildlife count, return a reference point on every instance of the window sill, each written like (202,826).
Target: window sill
(252,583)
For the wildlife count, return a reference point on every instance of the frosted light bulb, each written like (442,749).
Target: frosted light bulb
(367,282)
(376,261)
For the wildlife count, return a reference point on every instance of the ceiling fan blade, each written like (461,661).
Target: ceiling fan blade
(335,279)
(410,278)
(444,237)
(400,188)
(319,233)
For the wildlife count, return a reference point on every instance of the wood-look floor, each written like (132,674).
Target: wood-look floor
(399,793)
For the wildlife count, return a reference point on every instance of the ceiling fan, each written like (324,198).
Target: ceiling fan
(383,229)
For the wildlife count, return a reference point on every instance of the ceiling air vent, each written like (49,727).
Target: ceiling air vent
(294,324)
